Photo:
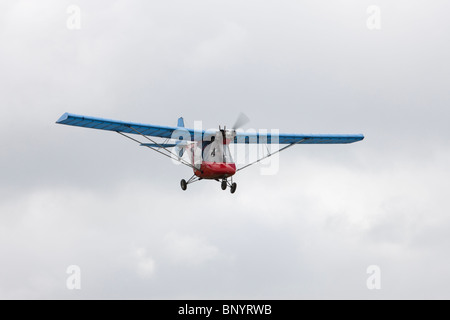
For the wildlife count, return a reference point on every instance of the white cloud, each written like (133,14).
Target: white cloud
(146,266)
(189,250)
(222,50)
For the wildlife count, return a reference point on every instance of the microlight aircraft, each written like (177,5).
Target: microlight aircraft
(208,150)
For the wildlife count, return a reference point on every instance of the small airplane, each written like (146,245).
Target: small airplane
(208,150)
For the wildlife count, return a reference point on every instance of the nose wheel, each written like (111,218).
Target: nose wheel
(225,183)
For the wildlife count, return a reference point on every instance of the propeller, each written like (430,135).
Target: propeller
(241,121)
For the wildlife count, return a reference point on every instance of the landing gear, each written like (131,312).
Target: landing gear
(224,183)
(228,183)
(183,184)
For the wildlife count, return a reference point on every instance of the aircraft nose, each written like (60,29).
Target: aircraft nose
(229,168)
(224,168)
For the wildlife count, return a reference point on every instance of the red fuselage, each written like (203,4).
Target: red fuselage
(215,170)
(214,157)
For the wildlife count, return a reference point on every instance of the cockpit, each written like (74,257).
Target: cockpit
(215,151)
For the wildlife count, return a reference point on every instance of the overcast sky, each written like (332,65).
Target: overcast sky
(74,196)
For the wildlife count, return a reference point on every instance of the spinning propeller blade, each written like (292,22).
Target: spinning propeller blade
(241,121)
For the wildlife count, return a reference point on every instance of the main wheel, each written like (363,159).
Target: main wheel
(233,187)
(183,184)
(223,185)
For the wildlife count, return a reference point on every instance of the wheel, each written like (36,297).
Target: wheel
(183,184)
(233,188)
(223,185)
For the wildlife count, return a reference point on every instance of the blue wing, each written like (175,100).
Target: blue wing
(283,138)
(167,132)
(121,126)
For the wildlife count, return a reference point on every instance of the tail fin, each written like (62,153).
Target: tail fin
(180,122)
